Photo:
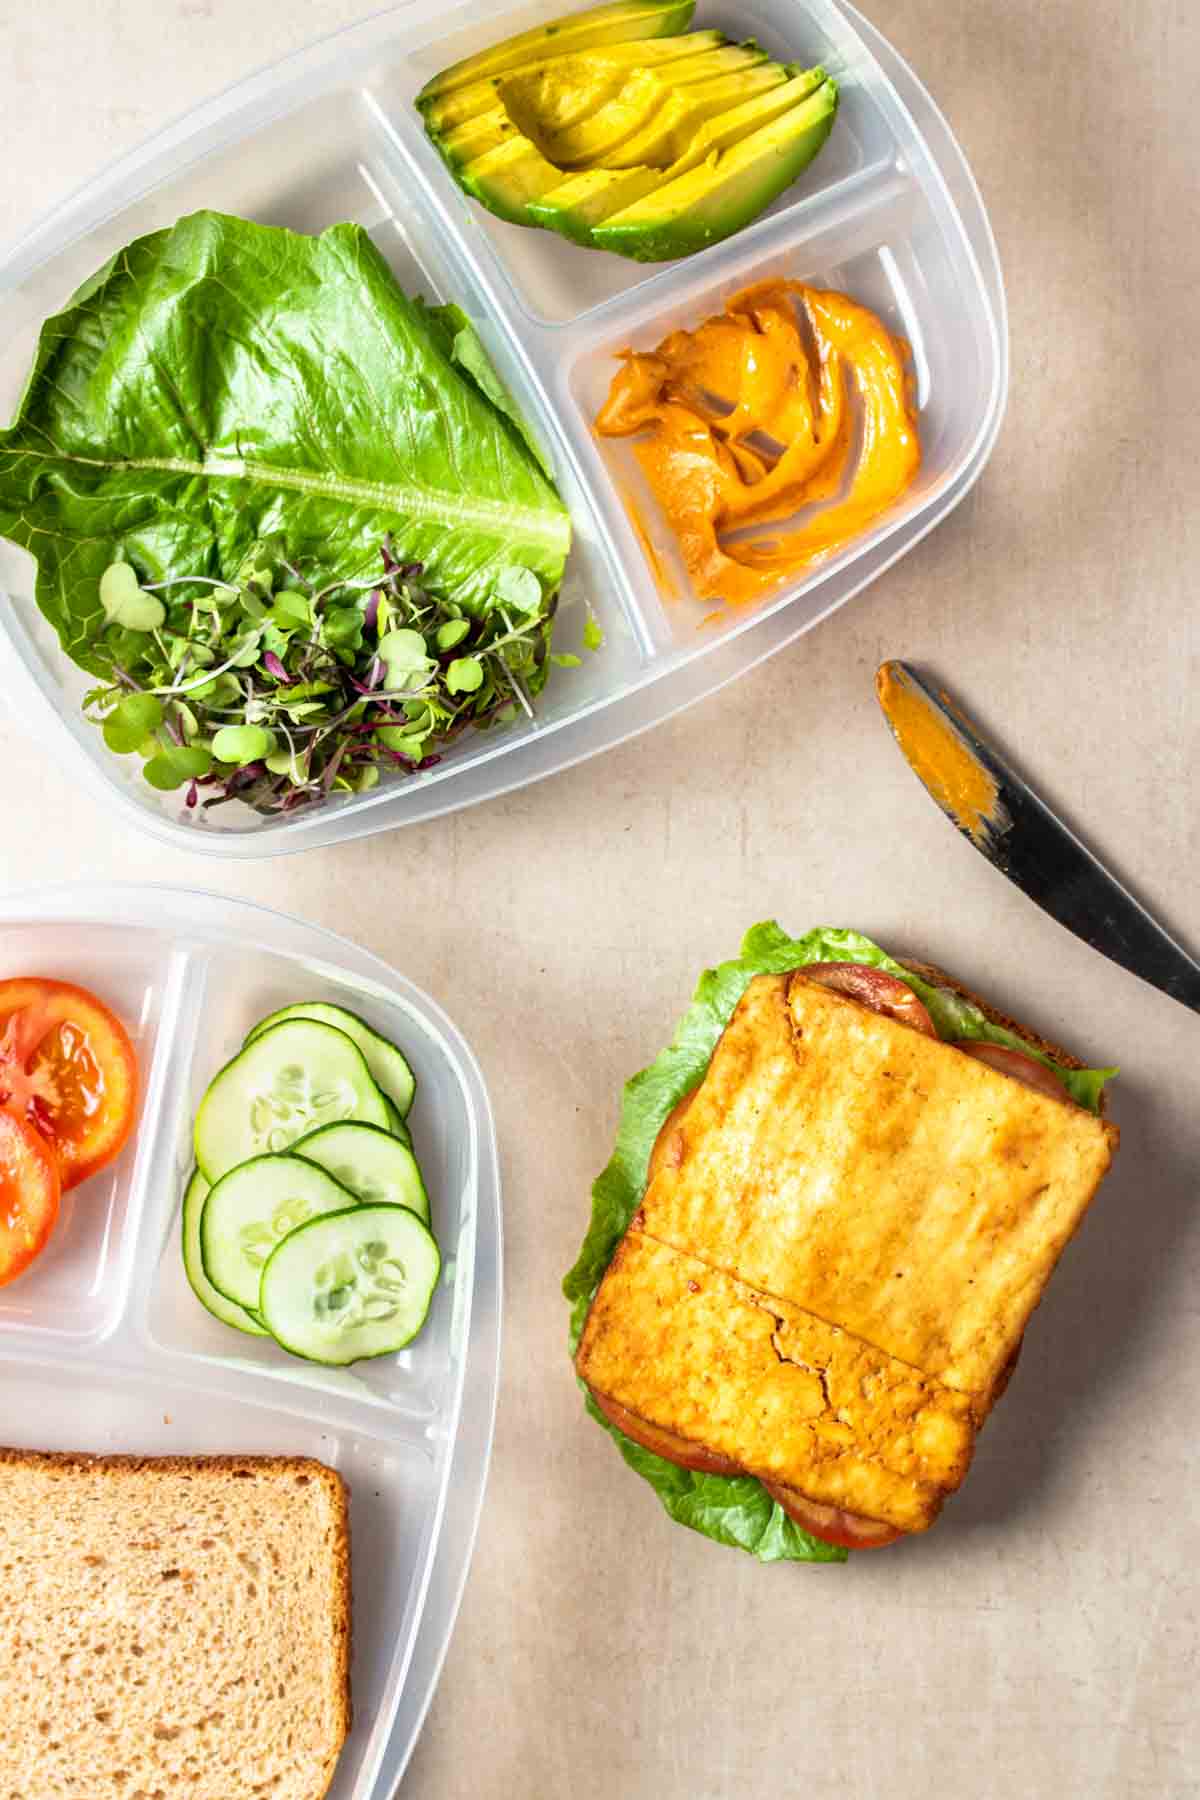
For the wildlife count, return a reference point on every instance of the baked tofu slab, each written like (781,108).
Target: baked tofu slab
(778,1391)
(842,1241)
(877,1177)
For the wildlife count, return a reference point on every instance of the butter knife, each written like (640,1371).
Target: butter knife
(991,806)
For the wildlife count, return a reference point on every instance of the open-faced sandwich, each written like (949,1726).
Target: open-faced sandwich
(836,1200)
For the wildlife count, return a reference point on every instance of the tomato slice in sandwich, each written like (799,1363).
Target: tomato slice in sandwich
(874,989)
(849,1531)
(1015,1063)
(29,1194)
(68,1069)
(666,1444)
(833,1524)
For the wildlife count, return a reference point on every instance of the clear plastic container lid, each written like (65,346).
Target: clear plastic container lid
(888,211)
(105,1349)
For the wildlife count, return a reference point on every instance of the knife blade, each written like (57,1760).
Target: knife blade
(989,803)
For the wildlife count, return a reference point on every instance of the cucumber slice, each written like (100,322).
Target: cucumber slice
(388,1068)
(291,1079)
(370,1163)
(396,1124)
(194,1196)
(251,1209)
(351,1284)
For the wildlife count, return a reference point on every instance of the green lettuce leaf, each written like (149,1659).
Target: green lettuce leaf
(466,349)
(222,384)
(739,1511)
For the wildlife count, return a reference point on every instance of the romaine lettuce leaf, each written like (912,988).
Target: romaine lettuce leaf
(738,1510)
(222,384)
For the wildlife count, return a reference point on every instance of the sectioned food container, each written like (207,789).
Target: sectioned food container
(104,1348)
(888,210)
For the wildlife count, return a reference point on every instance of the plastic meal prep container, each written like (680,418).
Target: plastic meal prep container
(888,210)
(104,1348)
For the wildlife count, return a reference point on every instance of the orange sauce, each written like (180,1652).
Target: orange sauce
(959,784)
(749,418)
(662,576)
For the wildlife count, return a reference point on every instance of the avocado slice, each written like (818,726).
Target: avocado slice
(575,125)
(761,97)
(619,22)
(442,113)
(667,136)
(588,198)
(729,189)
(582,200)
(631,112)
(508,177)
(474,136)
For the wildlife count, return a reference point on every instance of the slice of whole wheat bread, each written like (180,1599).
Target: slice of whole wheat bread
(170,1626)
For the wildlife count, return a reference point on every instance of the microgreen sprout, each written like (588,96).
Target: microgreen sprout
(282,686)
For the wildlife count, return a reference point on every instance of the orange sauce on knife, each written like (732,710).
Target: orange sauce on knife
(750,418)
(958,782)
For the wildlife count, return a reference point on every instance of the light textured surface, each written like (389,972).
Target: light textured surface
(1041,1641)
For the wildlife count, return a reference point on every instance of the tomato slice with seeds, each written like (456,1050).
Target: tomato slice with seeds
(833,1524)
(1015,1063)
(68,1069)
(874,989)
(664,1443)
(29,1195)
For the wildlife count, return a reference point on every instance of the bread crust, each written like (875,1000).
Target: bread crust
(308,1466)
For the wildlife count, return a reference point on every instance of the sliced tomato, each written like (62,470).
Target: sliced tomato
(663,1443)
(874,989)
(849,1531)
(29,1194)
(1026,1069)
(845,1529)
(67,1068)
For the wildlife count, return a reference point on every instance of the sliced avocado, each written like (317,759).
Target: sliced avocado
(619,22)
(474,136)
(644,96)
(667,136)
(464,103)
(725,192)
(507,178)
(732,126)
(584,199)
(442,114)
(576,125)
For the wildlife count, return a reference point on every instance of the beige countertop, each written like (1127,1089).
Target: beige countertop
(1042,1640)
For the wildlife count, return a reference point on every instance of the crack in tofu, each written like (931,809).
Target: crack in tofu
(783,1394)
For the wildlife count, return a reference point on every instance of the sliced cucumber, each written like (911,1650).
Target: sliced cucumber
(292,1078)
(249,1210)
(388,1067)
(194,1196)
(351,1284)
(371,1163)
(396,1124)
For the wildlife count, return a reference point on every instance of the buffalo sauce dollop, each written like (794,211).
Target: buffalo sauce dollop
(749,418)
